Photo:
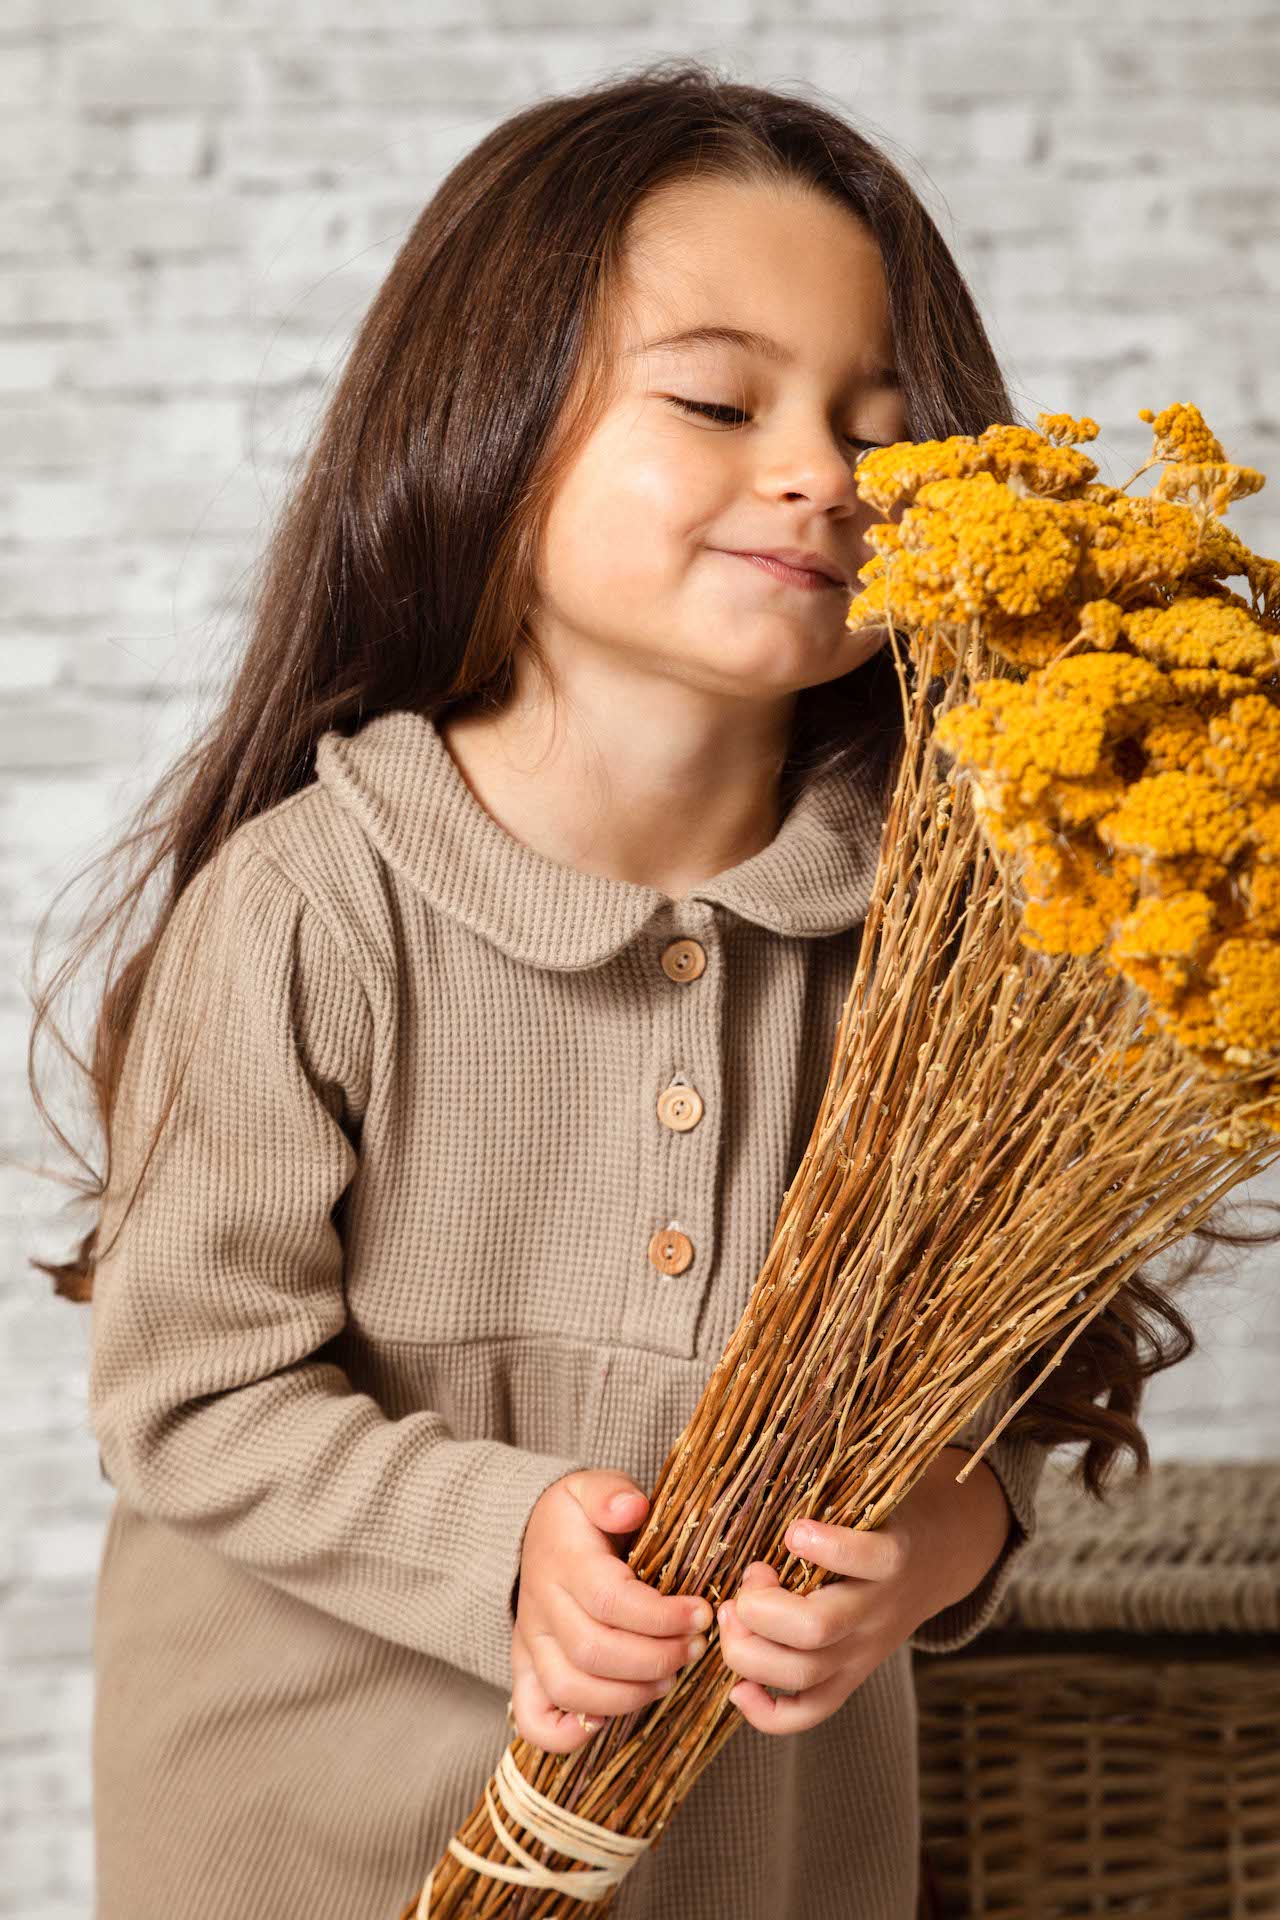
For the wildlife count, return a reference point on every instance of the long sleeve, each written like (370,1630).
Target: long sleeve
(1017,1463)
(215,1406)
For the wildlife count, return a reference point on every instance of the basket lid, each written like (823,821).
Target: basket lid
(1192,1546)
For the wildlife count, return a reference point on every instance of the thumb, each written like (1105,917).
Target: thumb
(612,1501)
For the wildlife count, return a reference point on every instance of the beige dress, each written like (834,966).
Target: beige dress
(398,1266)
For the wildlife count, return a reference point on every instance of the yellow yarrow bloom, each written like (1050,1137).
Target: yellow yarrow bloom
(1175,742)
(1181,434)
(1264,830)
(1210,484)
(1061,427)
(1128,763)
(1078,918)
(1246,996)
(1260,886)
(1101,623)
(1246,744)
(1202,631)
(1167,814)
(1178,926)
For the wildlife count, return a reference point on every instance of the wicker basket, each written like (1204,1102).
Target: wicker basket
(1110,1744)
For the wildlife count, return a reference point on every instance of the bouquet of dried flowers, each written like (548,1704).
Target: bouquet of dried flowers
(1059,1049)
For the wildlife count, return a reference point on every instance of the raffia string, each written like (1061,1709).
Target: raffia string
(607,1856)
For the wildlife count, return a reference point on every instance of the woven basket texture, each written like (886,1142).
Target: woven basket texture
(1110,1744)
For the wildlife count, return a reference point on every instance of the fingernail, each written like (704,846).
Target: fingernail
(696,1649)
(665,1686)
(590,1722)
(802,1534)
(702,1616)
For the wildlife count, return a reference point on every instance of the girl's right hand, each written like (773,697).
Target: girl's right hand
(591,1638)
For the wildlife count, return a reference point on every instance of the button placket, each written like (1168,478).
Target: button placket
(680,1126)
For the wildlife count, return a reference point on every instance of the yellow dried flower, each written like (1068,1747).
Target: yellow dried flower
(1246,744)
(1125,688)
(1176,740)
(1202,631)
(1246,995)
(1019,453)
(1030,640)
(1175,926)
(1211,484)
(1101,623)
(1061,427)
(1264,584)
(1260,888)
(1128,766)
(1128,544)
(971,546)
(1264,830)
(1180,433)
(1220,553)
(1080,801)
(890,476)
(1176,813)
(1080,915)
(1211,686)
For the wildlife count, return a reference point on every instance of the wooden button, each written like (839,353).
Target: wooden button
(680,1108)
(684,960)
(670,1250)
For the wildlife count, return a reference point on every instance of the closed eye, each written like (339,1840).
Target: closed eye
(711,409)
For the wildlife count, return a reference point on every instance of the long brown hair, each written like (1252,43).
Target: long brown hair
(402,565)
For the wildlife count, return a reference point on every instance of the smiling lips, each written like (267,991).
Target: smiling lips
(806,578)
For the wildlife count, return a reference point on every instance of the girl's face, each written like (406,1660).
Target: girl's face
(639,558)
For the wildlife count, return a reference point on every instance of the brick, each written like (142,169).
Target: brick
(35,1706)
(29,366)
(154,223)
(1010,64)
(1230,67)
(33,144)
(37,228)
(64,298)
(64,1549)
(58,1474)
(167,145)
(435,74)
(26,74)
(42,1624)
(1235,209)
(31,661)
(35,1788)
(156,71)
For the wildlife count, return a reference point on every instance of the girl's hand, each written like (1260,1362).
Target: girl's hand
(820,1646)
(591,1639)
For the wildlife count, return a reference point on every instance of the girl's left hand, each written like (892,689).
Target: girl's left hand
(820,1646)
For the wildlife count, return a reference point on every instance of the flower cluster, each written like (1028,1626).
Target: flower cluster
(1127,754)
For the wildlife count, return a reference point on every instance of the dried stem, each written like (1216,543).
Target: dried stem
(980,1180)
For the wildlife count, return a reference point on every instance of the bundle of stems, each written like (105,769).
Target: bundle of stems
(1003,1140)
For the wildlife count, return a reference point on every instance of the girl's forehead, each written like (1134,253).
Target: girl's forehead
(762,293)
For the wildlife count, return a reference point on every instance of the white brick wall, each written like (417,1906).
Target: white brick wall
(192,221)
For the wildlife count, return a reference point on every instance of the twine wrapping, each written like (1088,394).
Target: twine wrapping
(610,1855)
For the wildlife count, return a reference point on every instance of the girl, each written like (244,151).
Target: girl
(515,894)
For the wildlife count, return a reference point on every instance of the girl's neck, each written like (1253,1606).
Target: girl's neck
(649,799)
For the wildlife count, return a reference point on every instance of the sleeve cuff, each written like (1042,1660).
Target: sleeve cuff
(1017,1463)
(488,1650)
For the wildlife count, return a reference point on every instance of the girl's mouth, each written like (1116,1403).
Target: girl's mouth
(802,577)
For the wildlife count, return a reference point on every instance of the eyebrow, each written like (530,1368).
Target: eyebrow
(761,343)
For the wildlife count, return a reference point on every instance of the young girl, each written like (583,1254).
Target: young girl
(515,895)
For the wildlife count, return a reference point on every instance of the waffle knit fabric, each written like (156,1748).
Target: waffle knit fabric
(388,1277)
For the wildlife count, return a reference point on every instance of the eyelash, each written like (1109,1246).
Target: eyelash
(709,408)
